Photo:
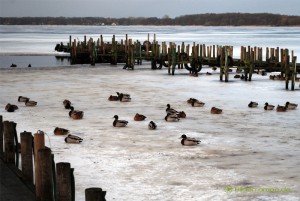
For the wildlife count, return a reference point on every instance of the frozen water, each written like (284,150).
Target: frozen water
(241,148)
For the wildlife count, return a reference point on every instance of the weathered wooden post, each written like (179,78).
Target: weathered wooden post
(1,135)
(287,69)
(226,64)
(173,59)
(294,73)
(221,63)
(94,194)
(64,190)
(251,67)
(114,51)
(277,55)
(39,143)
(147,46)
(26,156)
(9,145)
(45,175)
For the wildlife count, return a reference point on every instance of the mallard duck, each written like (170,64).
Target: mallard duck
(124,98)
(139,117)
(67,104)
(13,65)
(281,108)
(30,103)
(123,94)
(181,114)
(195,102)
(73,139)
(268,106)
(22,99)
(171,117)
(11,108)
(189,101)
(113,98)
(60,131)
(290,106)
(152,125)
(237,76)
(75,114)
(119,123)
(215,110)
(252,104)
(187,141)
(170,110)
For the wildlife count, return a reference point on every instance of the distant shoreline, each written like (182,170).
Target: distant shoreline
(208,19)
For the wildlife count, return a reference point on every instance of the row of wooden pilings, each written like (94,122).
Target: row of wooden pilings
(191,57)
(48,181)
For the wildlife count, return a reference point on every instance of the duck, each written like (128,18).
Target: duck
(214,68)
(13,65)
(281,108)
(123,94)
(237,76)
(22,99)
(60,131)
(189,101)
(113,98)
(172,118)
(268,106)
(75,114)
(67,104)
(73,139)
(11,108)
(152,125)
(139,117)
(170,110)
(124,98)
(181,114)
(119,123)
(195,102)
(30,103)
(252,104)
(215,110)
(290,106)
(187,141)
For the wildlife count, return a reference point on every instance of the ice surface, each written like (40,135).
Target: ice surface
(243,147)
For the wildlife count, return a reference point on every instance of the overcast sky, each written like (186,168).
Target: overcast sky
(141,8)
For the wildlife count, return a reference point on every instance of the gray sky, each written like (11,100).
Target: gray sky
(141,8)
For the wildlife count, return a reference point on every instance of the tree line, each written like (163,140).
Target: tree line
(208,19)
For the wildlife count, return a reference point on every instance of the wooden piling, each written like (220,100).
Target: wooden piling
(94,194)
(221,63)
(44,178)
(64,190)
(1,135)
(9,145)
(287,69)
(294,73)
(26,156)
(39,143)
(226,65)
